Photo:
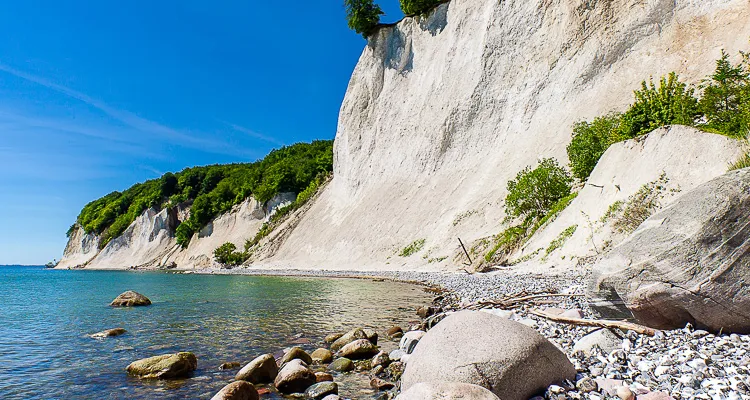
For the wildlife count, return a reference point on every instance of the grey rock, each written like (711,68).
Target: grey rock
(341,365)
(446,391)
(605,339)
(396,355)
(320,390)
(687,263)
(512,359)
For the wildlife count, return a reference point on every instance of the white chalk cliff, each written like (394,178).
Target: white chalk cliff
(442,110)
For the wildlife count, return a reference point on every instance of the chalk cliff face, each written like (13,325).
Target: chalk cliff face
(149,241)
(442,110)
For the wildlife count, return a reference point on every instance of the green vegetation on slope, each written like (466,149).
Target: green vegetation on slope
(724,108)
(213,190)
(414,7)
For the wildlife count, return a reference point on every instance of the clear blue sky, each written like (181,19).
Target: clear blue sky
(96,96)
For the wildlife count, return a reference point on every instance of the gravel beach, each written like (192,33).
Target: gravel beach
(681,364)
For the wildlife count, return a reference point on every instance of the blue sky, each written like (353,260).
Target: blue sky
(96,96)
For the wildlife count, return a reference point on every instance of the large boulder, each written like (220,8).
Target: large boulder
(263,369)
(167,366)
(294,377)
(130,299)
(687,263)
(239,390)
(359,349)
(510,359)
(446,391)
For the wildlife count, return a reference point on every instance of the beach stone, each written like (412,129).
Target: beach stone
(409,341)
(587,385)
(377,370)
(380,359)
(332,397)
(262,369)
(624,393)
(341,365)
(511,359)
(296,353)
(393,331)
(239,390)
(108,333)
(446,391)
(166,366)
(396,355)
(359,349)
(229,365)
(688,263)
(320,390)
(354,334)
(575,313)
(333,337)
(321,356)
(608,386)
(362,365)
(294,377)
(655,396)
(130,299)
(395,370)
(323,377)
(499,312)
(379,384)
(605,339)
(372,336)
(426,311)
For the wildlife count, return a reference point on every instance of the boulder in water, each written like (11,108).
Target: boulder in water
(359,349)
(262,369)
(130,299)
(166,366)
(320,390)
(322,356)
(294,377)
(108,333)
(296,353)
(354,334)
(239,390)
(341,365)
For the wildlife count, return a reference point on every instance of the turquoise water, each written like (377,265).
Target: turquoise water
(46,315)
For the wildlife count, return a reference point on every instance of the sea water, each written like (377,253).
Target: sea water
(47,315)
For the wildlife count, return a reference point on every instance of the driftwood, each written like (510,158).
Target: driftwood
(515,302)
(599,323)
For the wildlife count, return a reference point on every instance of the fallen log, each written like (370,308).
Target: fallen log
(599,323)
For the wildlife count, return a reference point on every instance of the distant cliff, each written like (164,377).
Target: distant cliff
(442,110)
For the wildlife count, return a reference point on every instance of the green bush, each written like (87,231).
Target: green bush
(673,102)
(213,189)
(414,7)
(534,191)
(363,16)
(726,97)
(226,254)
(590,141)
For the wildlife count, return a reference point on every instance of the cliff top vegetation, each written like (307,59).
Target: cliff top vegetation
(212,189)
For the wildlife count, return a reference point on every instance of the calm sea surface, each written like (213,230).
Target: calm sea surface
(45,317)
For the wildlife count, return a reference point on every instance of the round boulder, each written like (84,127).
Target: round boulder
(359,349)
(321,356)
(446,391)
(512,360)
(239,390)
(261,370)
(130,299)
(341,365)
(167,366)
(354,334)
(296,353)
(294,377)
